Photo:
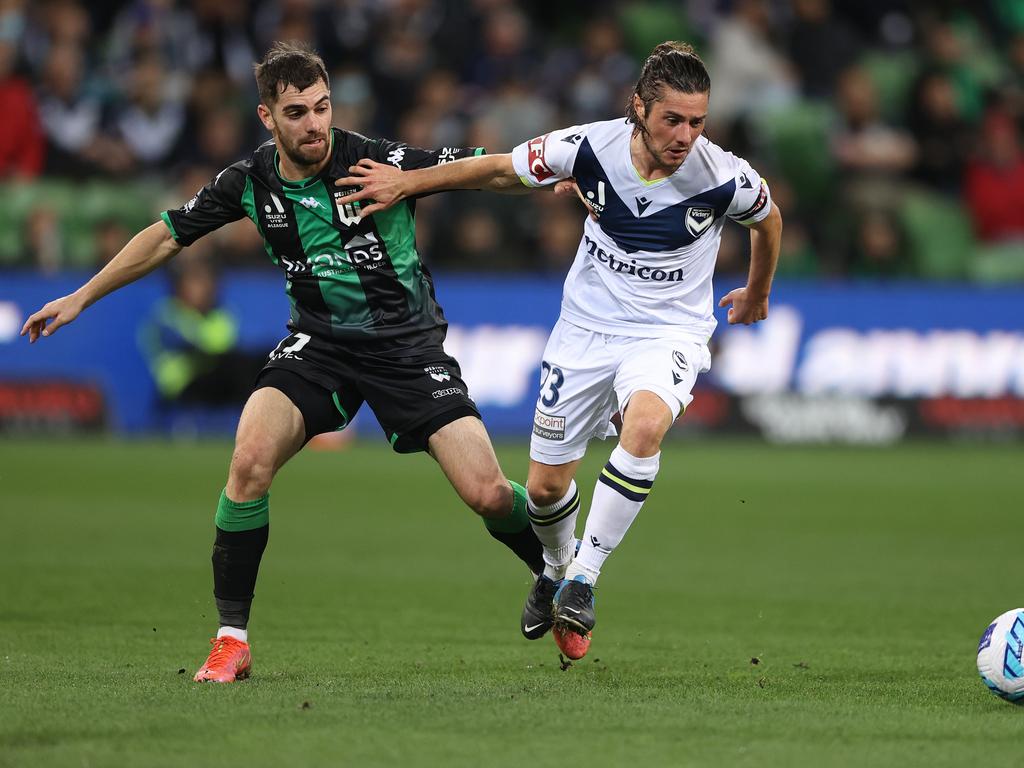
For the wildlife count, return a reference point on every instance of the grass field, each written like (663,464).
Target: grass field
(385,625)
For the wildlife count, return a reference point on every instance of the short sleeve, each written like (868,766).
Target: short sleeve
(548,158)
(213,206)
(753,200)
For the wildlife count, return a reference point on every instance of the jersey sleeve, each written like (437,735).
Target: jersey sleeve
(409,158)
(548,158)
(753,200)
(213,206)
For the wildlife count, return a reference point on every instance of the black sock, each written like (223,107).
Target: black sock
(236,562)
(525,545)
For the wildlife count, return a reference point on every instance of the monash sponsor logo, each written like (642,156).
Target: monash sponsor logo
(616,263)
(549,427)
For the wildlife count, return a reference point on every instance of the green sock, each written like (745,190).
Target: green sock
(242,515)
(517,520)
(516,533)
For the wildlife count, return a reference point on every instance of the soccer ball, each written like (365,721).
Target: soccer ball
(999,656)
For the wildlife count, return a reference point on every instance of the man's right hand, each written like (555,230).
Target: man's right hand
(60,311)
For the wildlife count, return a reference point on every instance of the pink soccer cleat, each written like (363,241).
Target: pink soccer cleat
(229,660)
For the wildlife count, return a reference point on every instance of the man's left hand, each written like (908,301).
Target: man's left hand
(746,307)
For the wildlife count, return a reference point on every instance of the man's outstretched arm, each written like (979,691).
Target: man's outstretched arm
(387,185)
(750,303)
(145,252)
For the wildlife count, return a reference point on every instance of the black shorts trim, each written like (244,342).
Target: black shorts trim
(418,438)
(321,409)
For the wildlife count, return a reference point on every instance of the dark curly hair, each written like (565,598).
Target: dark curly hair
(673,64)
(288,63)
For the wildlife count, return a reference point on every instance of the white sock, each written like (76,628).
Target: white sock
(621,490)
(235,632)
(555,526)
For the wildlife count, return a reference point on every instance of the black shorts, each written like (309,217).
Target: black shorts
(412,392)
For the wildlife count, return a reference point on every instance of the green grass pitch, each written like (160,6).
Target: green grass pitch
(812,606)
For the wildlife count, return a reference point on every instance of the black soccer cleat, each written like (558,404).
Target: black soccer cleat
(537,619)
(574,606)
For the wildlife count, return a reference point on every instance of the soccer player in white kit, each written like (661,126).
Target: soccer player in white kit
(636,312)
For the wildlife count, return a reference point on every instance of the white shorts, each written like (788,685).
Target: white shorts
(586,377)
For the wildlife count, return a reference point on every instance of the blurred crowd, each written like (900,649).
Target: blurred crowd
(889,130)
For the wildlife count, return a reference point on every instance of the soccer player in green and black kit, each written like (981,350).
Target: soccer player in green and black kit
(364,321)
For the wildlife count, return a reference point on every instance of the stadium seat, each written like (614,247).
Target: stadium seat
(797,141)
(645,25)
(998,263)
(939,235)
(893,75)
(80,209)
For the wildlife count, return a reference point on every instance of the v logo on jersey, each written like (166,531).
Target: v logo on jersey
(698,219)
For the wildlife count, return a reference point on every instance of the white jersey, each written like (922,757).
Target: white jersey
(644,267)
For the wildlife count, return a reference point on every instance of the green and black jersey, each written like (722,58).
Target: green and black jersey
(348,279)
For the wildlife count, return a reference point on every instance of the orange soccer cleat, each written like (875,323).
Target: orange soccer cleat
(229,660)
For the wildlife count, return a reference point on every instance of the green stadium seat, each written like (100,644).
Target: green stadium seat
(797,141)
(80,208)
(998,263)
(939,235)
(893,75)
(645,25)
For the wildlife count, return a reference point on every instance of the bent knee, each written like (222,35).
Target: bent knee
(492,500)
(252,471)
(547,491)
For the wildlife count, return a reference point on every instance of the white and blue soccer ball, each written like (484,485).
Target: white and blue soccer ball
(999,656)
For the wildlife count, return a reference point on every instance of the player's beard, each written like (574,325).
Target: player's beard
(303,157)
(661,157)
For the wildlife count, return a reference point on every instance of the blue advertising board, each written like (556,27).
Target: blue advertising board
(839,344)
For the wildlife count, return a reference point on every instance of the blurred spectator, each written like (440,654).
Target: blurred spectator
(400,61)
(160,28)
(22,144)
(44,239)
(943,136)
(871,154)
(222,39)
(595,75)
(52,24)
(878,248)
(111,235)
(1012,87)
(748,72)
(798,256)
(821,46)
(559,231)
(159,87)
(352,100)
(150,123)
(947,49)
(71,115)
(191,343)
(517,113)
(505,53)
(994,183)
(219,139)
